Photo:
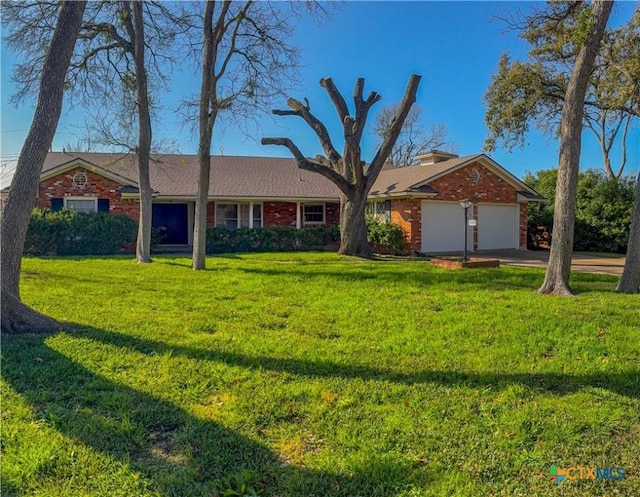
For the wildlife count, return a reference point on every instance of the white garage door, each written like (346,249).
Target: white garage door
(443,227)
(498,227)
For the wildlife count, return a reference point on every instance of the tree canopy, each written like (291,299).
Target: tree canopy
(530,94)
(603,208)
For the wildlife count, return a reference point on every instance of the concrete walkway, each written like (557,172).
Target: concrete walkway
(582,261)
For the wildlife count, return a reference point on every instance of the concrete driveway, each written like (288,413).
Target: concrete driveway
(582,261)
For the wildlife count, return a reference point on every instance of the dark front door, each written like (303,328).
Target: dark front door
(174,218)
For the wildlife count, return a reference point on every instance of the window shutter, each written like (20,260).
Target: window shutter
(57,204)
(103,205)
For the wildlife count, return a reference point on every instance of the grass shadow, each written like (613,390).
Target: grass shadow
(386,273)
(175,452)
(625,383)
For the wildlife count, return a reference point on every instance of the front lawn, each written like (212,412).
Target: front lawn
(315,375)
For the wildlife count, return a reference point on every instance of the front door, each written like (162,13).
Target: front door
(174,218)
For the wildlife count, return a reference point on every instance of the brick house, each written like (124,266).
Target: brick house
(267,192)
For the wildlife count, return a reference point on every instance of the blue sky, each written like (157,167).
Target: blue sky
(455,46)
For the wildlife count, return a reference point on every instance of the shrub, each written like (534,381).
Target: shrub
(278,238)
(47,231)
(69,233)
(603,211)
(158,234)
(386,237)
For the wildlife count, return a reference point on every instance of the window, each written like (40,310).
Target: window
(80,179)
(313,213)
(81,204)
(233,216)
(380,211)
(257,216)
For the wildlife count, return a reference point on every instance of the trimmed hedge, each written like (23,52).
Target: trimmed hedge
(279,238)
(66,232)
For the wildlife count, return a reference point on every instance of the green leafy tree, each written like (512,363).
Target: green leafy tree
(526,94)
(587,35)
(603,209)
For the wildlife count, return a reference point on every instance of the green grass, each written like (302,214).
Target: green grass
(316,375)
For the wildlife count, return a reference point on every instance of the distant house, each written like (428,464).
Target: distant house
(266,192)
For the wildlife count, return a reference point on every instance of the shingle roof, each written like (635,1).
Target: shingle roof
(231,176)
(254,177)
(404,179)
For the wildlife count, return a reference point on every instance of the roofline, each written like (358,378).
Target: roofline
(502,172)
(77,161)
(404,194)
(192,198)
(524,200)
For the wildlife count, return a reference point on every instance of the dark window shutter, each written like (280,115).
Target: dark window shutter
(103,205)
(57,204)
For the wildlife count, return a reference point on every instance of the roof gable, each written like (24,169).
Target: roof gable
(54,167)
(490,164)
(415,179)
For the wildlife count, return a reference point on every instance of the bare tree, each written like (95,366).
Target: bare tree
(107,75)
(414,138)
(16,317)
(557,276)
(135,28)
(246,61)
(348,170)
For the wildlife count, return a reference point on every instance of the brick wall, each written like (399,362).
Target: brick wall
(407,213)
(61,186)
(523,226)
(211,214)
(458,186)
(332,214)
(278,214)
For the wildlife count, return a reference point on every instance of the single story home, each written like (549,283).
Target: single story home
(266,192)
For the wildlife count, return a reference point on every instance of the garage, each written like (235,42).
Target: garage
(498,226)
(443,227)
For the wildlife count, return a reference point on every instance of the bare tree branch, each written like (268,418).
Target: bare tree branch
(387,145)
(318,166)
(303,110)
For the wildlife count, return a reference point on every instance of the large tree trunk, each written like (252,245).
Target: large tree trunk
(353,228)
(630,280)
(17,317)
(556,280)
(206,119)
(24,186)
(200,221)
(347,171)
(136,35)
